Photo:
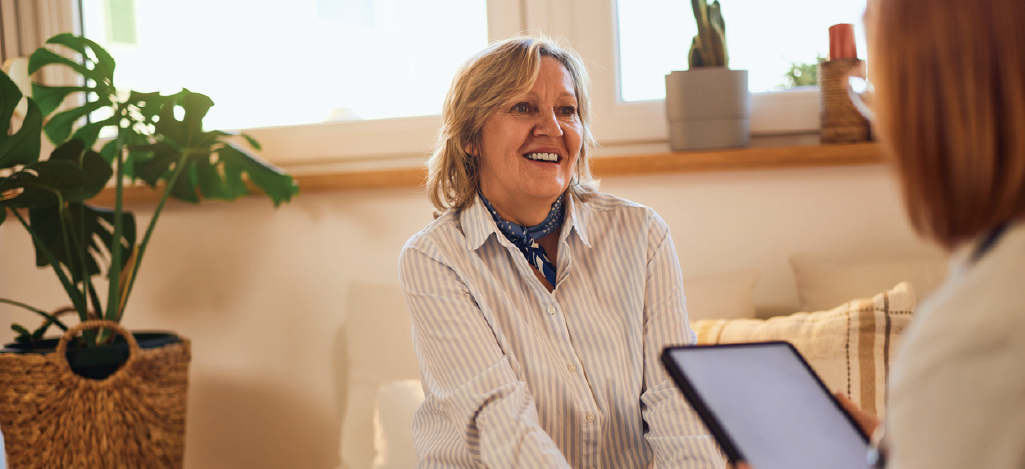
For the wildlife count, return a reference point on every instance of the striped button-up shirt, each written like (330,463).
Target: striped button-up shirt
(517,376)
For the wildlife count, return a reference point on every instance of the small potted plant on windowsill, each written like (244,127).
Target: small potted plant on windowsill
(708,106)
(127,394)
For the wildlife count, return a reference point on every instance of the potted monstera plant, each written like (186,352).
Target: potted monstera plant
(100,396)
(708,105)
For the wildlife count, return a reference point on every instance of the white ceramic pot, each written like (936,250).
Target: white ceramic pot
(708,107)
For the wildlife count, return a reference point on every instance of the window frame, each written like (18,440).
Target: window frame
(590,27)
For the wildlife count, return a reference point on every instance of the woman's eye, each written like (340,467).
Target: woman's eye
(568,110)
(521,107)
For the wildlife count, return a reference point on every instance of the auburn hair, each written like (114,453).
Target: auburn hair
(950,109)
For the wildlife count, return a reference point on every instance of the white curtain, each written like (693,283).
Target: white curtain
(25,25)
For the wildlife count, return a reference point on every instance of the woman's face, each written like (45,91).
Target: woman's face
(530,145)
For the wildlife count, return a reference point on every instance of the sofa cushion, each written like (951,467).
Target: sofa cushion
(824,282)
(850,346)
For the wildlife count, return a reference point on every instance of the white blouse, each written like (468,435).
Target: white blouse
(517,376)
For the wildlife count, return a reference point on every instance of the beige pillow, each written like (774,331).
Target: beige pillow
(393,424)
(824,282)
(850,346)
(728,295)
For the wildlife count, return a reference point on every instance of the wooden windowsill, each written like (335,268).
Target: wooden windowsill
(610,166)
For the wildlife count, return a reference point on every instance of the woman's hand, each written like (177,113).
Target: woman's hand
(868,422)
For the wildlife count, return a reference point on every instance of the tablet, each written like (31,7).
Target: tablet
(765,405)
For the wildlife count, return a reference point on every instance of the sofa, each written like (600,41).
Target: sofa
(848,328)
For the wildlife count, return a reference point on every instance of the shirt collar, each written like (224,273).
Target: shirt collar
(478,225)
(575,221)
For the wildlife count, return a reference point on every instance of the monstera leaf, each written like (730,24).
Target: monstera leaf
(211,165)
(98,71)
(70,175)
(54,191)
(22,147)
(90,228)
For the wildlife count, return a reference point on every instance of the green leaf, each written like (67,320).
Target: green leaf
(186,131)
(212,185)
(50,98)
(59,126)
(10,96)
(93,224)
(150,104)
(23,147)
(77,299)
(252,142)
(41,182)
(24,336)
(43,57)
(93,215)
(104,62)
(38,334)
(278,185)
(90,132)
(185,188)
(154,161)
(95,169)
(71,171)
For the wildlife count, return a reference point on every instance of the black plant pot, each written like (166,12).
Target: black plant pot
(96,362)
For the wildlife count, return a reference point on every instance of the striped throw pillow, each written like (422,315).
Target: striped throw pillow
(850,346)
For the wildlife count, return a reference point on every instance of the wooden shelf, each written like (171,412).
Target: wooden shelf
(744,159)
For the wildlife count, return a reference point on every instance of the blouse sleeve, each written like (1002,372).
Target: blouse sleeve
(676,435)
(468,380)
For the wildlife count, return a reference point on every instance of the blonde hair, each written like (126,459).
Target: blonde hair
(950,80)
(485,82)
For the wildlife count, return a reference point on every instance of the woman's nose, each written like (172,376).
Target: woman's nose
(548,125)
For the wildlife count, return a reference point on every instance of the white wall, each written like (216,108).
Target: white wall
(262,293)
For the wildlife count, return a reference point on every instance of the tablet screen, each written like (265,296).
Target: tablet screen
(769,405)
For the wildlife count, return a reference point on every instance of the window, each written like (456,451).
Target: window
(298,62)
(592,26)
(599,29)
(764,38)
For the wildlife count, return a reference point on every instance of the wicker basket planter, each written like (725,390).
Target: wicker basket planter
(52,417)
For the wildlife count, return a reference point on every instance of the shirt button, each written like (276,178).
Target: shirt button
(590,417)
(572,368)
(551,310)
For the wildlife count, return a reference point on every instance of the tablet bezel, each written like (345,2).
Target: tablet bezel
(708,417)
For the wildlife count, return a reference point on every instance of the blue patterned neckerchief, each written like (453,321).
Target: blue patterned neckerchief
(524,237)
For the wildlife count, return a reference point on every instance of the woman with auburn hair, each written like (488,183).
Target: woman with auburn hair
(539,305)
(949,107)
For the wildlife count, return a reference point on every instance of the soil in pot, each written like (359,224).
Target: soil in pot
(96,362)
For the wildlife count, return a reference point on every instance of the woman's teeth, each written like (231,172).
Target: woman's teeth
(551,157)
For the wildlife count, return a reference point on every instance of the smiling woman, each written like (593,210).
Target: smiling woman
(540,306)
